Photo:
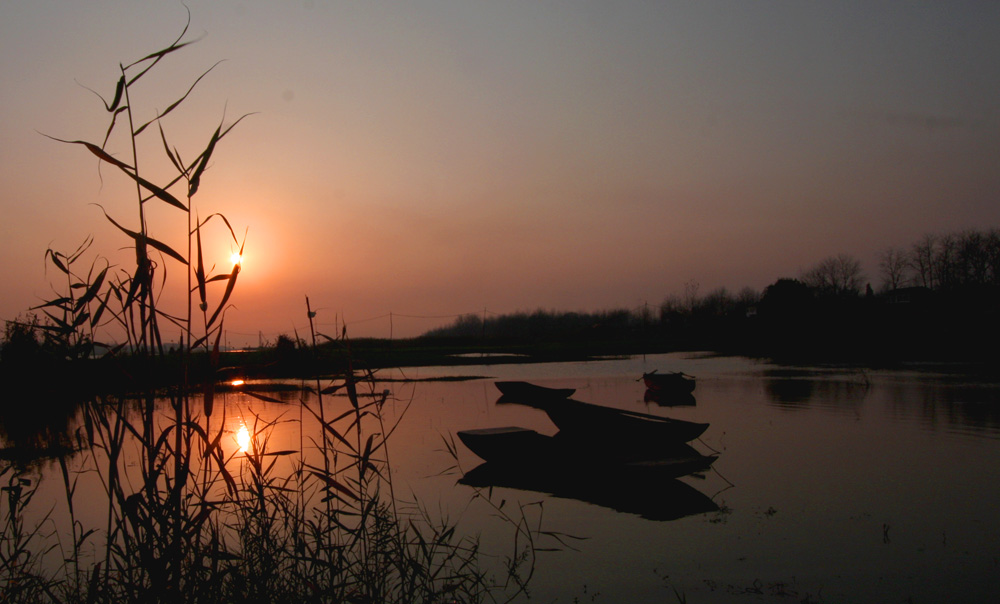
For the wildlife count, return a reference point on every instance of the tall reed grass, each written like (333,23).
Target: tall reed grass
(184,515)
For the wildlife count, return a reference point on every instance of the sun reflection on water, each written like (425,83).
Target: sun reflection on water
(243,438)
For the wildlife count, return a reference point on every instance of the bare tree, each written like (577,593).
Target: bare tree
(946,265)
(973,258)
(716,303)
(922,260)
(837,275)
(894,266)
(691,295)
(993,255)
(748,297)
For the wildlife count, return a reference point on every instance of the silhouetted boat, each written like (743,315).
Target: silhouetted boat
(532,391)
(669,382)
(509,444)
(651,492)
(514,446)
(585,420)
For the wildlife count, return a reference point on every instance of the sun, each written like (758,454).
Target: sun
(236,258)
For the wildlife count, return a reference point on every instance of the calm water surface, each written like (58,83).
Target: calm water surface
(832,485)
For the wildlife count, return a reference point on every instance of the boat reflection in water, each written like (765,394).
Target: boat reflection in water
(649,491)
(669,399)
(674,381)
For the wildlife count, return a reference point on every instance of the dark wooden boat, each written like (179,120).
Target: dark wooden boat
(507,445)
(602,424)
(529,391)
(525,448)
(669,382)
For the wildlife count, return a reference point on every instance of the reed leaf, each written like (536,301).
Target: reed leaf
(172,155)
(103,306)
(365,459)
(98,151)
(176,103)
(140,239)
(119,91)
(203,163)
(229,292)
(220,216)
(214,356)
(352,391)
(83,247)
(200,163)
(80,319)
(280,453)
(157,192)
(54,257)
(156,56)
(93,290)
(328,427)
(209,398)
(203,339)
(332,483)
(111,125)
(62,303)
(263,397)
(199,273)
(113,106)
(328,338)
(60,324)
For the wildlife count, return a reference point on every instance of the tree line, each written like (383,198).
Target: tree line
(938,298)
(944,262)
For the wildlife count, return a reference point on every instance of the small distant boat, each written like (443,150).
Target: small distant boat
(601,424)
(532,391)
(669,382)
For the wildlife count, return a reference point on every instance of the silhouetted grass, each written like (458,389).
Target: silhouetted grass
(184,516)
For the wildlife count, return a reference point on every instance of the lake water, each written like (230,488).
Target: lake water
(832,485)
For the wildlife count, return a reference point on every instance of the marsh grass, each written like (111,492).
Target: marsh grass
(184,515)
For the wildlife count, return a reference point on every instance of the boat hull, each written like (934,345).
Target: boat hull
(526,449)
(507,445)
(586,421)
(529,391)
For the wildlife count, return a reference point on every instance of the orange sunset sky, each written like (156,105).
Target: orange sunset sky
(434,158)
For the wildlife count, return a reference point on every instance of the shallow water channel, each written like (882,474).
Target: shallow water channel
(831,485)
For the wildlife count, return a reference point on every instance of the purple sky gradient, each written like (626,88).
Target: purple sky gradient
(445,157)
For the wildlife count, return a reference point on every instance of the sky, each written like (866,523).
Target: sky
(409,162)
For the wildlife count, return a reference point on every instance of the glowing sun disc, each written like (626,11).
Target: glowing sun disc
(236,258)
